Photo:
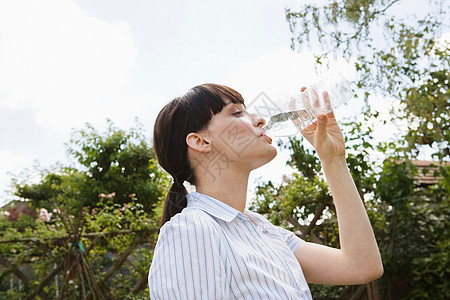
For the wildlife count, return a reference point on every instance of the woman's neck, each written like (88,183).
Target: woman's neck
(230,187)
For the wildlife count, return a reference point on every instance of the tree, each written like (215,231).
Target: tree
(86,230)
(403,57)
(116,162)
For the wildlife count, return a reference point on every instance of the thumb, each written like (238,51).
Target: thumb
(321,127)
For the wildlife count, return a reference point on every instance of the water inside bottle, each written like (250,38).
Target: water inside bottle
(289,123)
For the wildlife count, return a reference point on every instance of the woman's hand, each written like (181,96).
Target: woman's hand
(325,134)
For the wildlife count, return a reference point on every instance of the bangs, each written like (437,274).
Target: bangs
(204,101)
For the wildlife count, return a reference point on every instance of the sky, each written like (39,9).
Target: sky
(64,63)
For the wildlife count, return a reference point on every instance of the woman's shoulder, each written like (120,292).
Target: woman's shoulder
(258,218)
(189,221)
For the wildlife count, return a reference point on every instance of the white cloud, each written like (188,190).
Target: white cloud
(66,65)
(10,162)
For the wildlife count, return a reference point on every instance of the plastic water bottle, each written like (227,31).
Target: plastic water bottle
(301,110)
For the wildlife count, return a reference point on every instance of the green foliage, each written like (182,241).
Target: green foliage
(116,162)
(303,159)
(106,232)
(396,184)
(431,271)
(86,220)
(428,108)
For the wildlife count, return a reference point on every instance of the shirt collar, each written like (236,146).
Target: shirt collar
(212,206)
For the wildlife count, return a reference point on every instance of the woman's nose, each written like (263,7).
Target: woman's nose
(258,121)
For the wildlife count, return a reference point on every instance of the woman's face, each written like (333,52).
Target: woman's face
(237,136)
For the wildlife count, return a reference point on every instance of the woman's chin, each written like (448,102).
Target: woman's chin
(266,157)
(273,155)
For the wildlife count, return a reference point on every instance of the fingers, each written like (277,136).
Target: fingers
(306,102)
(321,132)
(316,99)
(327,101)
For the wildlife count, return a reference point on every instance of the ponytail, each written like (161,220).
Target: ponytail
(175,201)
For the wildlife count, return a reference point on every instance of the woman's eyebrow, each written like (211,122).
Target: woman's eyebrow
(228,102)
(237,104)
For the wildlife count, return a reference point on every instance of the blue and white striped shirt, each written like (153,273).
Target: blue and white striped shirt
(212,251)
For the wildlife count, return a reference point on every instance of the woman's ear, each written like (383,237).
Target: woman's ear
(198,142)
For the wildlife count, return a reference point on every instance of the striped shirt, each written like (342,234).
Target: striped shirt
(213,251)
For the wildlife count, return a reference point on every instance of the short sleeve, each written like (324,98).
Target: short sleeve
(187,263)
(293,241)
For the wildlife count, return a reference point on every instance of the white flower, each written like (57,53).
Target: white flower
(44,215)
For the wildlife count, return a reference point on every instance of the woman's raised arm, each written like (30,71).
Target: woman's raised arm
(358,260)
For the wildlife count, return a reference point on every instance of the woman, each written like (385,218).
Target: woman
(209,246)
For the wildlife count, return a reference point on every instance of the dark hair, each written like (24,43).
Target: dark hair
(183,115)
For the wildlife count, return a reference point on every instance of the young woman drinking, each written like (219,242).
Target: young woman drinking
(210,246)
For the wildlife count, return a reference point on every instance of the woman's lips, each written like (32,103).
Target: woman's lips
(264,135)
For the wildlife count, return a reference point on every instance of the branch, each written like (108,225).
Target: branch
(302,229)
(141,285)
(118,264)
(45,282)
(317,216)
(359,29)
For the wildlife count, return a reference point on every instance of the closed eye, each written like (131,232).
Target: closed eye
(238,113)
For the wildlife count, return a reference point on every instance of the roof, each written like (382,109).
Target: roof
(426,171)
